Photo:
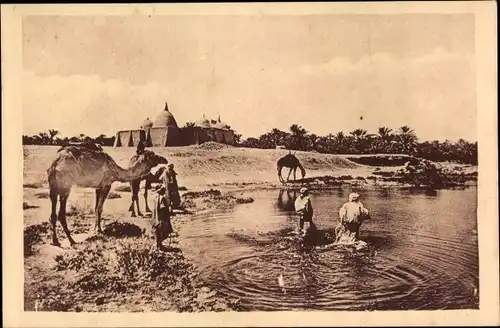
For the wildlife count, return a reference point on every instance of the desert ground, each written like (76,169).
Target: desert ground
(122,270)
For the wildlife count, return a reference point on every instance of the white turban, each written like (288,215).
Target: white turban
(353,197)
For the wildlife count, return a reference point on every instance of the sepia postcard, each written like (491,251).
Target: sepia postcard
(245,165)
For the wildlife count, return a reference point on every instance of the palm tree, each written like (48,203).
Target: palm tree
(407,139)
(360,139)
(313,139)
(43,138)
(299,134)
(52,134)
(277,136)
(359,134)
(383,140)
(384,134)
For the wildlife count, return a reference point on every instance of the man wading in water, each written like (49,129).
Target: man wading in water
(304,208)
(161,217)
(351,214)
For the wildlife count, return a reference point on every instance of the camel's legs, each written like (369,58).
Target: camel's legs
(53,216)
(294,173)
(131,207)
(96,200)
(135,198)
(63,198)
(279,173)
(103,194)
(146,198)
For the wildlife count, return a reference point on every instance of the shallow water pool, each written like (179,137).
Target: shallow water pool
(422,252)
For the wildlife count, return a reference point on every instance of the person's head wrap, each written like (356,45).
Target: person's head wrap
(353,197)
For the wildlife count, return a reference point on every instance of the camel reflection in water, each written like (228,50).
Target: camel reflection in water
(286,200)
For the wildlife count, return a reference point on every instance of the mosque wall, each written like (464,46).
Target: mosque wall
(229,137)
(219,136)
(158,136)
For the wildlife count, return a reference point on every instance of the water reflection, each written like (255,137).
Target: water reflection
(423,191)
(286,200)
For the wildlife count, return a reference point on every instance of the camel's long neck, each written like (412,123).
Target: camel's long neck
(135,171)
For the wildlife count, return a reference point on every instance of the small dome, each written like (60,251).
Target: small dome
(165,118)
(220,125)
(203,123)
(146,124)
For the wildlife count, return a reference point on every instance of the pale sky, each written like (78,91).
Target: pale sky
(100,74)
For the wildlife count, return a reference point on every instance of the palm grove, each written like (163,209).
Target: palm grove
(385,141)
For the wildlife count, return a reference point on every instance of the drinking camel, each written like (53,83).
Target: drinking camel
(90,167)
(292,162)
(135,187)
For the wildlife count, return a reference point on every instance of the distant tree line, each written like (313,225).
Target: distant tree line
(358,141)
(51,138)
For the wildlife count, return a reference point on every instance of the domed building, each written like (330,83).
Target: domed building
(147,124)
(164,132)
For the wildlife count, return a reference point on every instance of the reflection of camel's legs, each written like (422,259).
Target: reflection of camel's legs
(53,216)
(62,214)
(102,198)
(280,199)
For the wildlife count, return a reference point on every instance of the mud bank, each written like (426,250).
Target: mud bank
(120,270)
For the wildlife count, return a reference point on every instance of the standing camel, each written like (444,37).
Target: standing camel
(291,161)
(135,187)
(90,167)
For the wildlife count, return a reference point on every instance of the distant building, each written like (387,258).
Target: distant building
(164,132)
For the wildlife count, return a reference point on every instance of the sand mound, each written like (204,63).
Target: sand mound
(210,145)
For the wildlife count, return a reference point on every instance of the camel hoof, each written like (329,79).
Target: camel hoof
(133,216)
(56,243)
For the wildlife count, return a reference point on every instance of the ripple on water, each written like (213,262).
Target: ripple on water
(338,279)
(415,259)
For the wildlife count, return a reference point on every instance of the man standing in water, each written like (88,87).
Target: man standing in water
(304,208)
(351,214)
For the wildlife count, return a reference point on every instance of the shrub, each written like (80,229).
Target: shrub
(32,235)
(427,174)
